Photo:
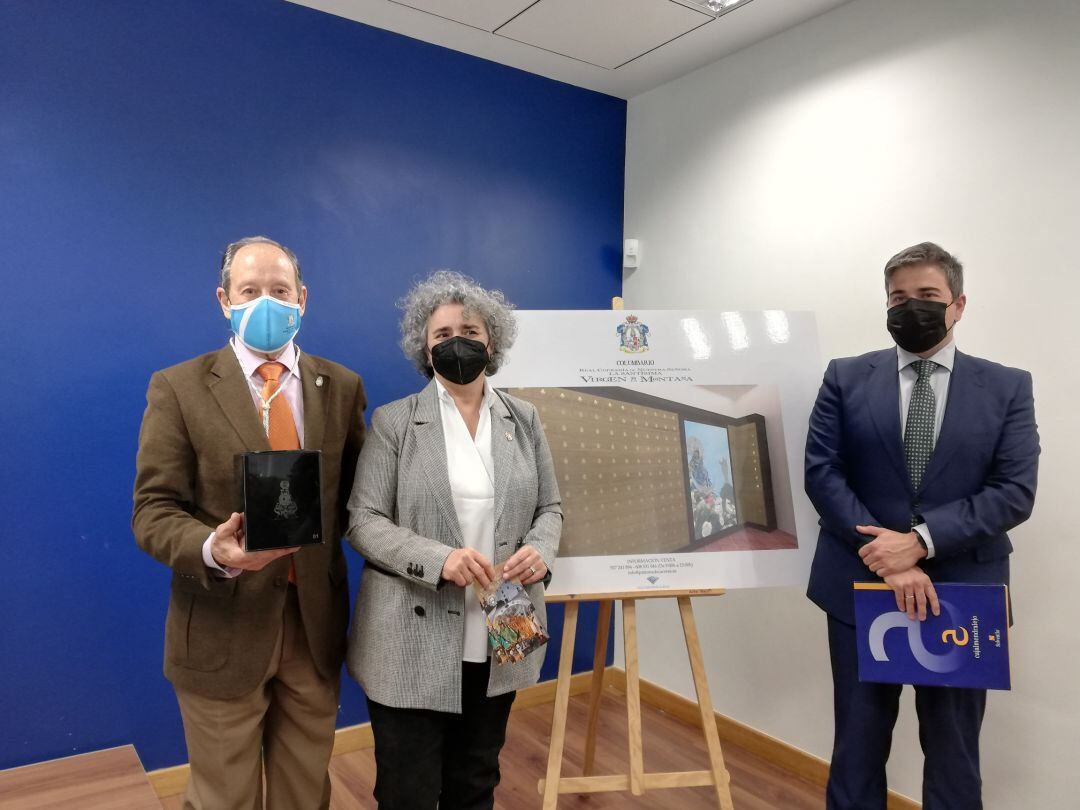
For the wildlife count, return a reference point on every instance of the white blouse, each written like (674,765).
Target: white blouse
(472,482)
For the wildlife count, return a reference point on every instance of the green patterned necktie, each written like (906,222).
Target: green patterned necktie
(919,430)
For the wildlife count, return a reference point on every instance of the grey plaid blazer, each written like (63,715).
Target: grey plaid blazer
(405,643)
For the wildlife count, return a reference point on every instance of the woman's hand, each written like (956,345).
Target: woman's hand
(527,564)
(467,565)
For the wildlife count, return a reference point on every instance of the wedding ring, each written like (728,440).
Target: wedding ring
(909,597)
(532,568)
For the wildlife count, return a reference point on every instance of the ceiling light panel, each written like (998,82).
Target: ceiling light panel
(716,7)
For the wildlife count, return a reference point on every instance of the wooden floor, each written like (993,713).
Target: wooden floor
(102,780)
(114,779)
(670,745)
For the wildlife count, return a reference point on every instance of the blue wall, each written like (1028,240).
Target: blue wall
(138,137)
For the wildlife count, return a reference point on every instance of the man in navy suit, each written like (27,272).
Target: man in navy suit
(919,459)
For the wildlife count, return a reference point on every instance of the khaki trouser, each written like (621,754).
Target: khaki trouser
(286,726)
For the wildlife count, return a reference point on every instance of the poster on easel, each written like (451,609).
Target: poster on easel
(677,439)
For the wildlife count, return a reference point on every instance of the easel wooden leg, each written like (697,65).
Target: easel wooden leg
(562,704)
(603,622)
(633,697)
(708,719)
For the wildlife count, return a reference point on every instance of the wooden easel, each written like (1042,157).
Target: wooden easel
(637,781)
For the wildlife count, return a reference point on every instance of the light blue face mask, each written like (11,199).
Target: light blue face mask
(265,324)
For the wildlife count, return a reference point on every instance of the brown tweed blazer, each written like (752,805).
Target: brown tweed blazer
(220,633)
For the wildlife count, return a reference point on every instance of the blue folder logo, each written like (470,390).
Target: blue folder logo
(935,662)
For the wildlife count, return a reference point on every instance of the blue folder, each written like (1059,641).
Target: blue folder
(967,645)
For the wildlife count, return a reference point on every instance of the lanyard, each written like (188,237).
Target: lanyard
(264,404)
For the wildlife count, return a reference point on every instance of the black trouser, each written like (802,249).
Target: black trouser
(425,759)
(865,713)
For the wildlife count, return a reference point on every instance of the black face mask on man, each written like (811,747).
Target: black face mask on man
(459,360)
(918,325)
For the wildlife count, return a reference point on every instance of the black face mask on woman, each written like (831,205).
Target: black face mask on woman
(459,360)
(917,325)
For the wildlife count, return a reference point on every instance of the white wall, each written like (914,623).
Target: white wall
(782,177)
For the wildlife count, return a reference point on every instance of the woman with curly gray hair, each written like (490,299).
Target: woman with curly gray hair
(455,486)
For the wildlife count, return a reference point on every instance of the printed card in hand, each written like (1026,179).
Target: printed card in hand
(513,628)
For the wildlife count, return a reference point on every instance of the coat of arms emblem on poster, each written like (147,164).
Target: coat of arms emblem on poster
(633,335)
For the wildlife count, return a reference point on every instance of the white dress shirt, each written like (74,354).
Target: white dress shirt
(939,383)
(472,483)
(291,389)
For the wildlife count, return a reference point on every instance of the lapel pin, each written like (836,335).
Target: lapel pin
(318,381)
(509,436)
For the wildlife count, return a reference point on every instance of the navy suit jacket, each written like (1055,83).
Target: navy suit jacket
(979,484)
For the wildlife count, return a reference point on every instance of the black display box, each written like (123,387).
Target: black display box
(282,498)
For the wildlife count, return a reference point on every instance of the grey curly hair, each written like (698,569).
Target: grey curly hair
(447,287)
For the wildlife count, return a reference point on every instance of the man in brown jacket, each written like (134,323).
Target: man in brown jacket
(254,641)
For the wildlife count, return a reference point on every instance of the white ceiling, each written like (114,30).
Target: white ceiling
(604,33)
(618,47)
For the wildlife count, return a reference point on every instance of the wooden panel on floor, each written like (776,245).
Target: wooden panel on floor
(670,745)
(113,779)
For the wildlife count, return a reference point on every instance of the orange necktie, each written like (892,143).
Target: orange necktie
(282,433)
